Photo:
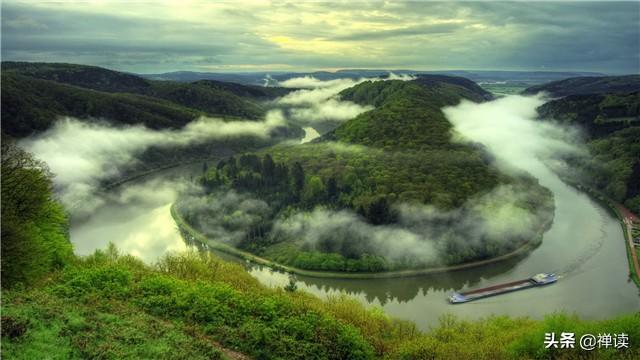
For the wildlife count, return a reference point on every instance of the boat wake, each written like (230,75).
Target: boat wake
(573,267)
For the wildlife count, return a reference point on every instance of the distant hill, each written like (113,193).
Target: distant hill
(407,113)
(271,78)
(588,85)
(33,94)
(598,114)
(32,105)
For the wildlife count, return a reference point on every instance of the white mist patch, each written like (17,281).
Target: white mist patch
(318,100)
(486,225)
(509,130)
(80,154)
(225,216)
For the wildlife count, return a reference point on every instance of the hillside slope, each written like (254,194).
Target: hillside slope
(611,123)
(588,85)
(198,306)
(399,154)
(407,114)
(35,93)
(32,105)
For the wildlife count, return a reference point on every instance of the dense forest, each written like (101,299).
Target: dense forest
(35,94)
(401,152)
(197,306)
(611,124)
(34,226)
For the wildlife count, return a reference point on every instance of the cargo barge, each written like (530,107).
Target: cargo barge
(536,280)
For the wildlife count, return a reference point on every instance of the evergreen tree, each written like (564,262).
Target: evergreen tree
(332,189)
(297,175)
(268,170)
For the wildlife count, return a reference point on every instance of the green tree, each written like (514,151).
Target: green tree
(268,170)
(379,212)
(332,189)
(297,175)
(34,226)
(313,190)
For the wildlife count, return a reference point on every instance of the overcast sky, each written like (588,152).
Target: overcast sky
(153,36)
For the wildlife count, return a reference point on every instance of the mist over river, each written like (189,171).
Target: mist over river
(584,245)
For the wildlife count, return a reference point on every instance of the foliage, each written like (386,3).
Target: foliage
(588,85)
(35,94)
(611,124)
(34,225)
(192,305)
(46,326)
(113,297)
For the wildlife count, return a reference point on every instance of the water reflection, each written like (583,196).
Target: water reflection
(136,217)
(147,233)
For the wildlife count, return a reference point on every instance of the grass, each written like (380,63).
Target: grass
(632,274)
(41,325)
(191,306)
(504,89)
(111,306)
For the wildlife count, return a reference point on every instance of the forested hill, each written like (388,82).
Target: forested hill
(34,94)
(399,153)
(409,154)
(611,123)
(407,113)
(588,85)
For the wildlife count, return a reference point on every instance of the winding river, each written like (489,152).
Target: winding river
(585,246)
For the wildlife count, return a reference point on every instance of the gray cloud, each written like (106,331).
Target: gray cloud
(597,36)
(407,31)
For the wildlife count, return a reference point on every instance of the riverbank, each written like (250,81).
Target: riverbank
(195,235)
(620,213)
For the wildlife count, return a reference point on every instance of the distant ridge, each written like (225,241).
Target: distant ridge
(35,94)
(261,78)
(588,85)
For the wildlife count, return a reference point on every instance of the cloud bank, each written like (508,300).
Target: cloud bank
(260,36)
(81,154)
(318,100)
(509,129)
